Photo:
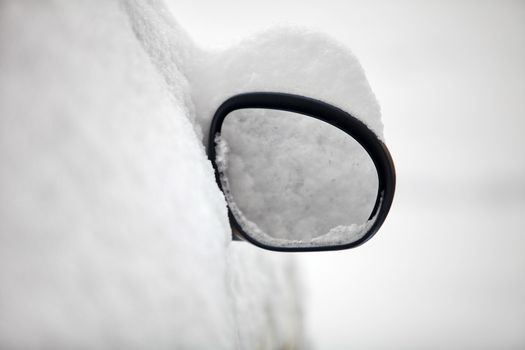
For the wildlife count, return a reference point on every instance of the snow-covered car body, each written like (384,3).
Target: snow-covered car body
(113,232)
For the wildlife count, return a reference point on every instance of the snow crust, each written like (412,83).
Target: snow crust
(113,233)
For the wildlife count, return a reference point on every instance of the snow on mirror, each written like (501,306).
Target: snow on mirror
(293,180)
(299,174)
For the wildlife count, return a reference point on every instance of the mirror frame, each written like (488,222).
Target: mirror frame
(332,115)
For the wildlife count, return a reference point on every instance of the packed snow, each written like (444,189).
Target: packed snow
(113,232)
(291,179)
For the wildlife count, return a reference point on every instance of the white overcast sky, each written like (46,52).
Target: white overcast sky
(447,270)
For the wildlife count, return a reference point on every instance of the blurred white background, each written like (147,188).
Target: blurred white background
(447,270)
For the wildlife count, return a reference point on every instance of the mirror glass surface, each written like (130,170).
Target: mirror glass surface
(294,181)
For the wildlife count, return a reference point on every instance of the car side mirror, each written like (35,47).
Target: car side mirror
(299,174)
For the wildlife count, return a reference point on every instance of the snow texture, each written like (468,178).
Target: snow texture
(113,233)
(293,181)
(287,59)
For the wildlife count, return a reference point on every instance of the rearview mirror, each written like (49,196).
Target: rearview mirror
(299,174)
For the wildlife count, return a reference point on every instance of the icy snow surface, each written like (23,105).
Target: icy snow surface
(113,232)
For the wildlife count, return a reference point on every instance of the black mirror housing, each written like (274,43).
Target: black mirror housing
(327,113)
